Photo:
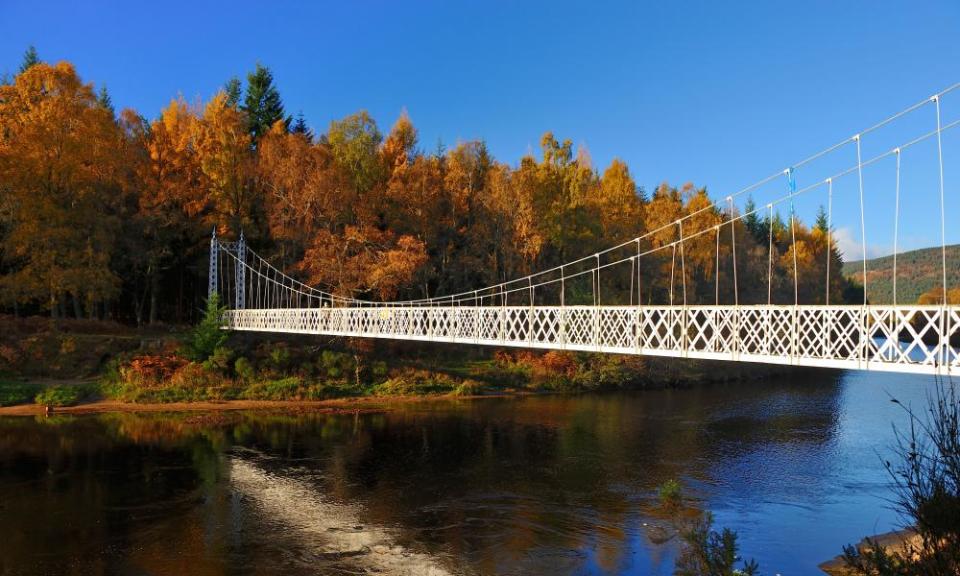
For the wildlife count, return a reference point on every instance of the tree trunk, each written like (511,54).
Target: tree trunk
(154,289)
(356,369)
(77,308)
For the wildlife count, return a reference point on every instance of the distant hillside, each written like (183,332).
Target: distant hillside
(917,272)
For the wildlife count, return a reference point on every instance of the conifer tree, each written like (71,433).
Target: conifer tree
(30,58)
(822,223)
(262,104)
(300,127)
(104,100)
(233,90)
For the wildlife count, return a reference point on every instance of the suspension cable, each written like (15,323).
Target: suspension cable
(896,227)
(943,232)
(829,235)
(770,256)
(863,226)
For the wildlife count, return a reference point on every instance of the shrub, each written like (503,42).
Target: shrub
(150,371)
(559,363)
(927,494)
(60,395)
(244,369)
(709,553)
(279,356)
(469,388)
(335,364)
(219,361)
(379,370)
(670,494)
(207,336)
(280,389)
(412,381)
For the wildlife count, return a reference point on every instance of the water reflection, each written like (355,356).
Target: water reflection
(507,486)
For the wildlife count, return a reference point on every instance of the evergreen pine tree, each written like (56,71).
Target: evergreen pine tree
(262,104)
(233,90)
(756,225)
(822,223)
(30,58)
(300,127)
(104,100)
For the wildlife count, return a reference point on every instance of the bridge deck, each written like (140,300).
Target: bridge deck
(914,339)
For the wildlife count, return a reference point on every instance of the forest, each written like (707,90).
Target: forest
(107,214)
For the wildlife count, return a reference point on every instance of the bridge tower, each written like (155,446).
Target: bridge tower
(212,275)
(241,272)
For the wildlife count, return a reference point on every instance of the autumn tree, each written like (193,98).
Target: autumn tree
(354,143)
(60,162)
(174,212)
(363,261)
(301,188)
(223,150)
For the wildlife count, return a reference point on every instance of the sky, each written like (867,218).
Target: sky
(721,94)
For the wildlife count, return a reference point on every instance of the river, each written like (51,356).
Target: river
(530,485)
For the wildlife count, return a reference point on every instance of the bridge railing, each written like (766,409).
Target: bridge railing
(922,339)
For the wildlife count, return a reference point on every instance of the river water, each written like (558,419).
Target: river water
(537,485)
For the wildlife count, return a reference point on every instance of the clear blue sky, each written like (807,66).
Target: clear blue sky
(716,93)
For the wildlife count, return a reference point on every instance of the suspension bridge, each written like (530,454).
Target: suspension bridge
(604,302)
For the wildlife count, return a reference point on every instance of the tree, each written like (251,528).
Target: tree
(206,337)
(61,162)
(756,225)
(363,260)
(300,128)
(104,100)
(301,190)
(822,223)
(223,149)
(709,553)
(173,210)
(233,89)
(354,143)
(262,104)
(621,208)
(30,58)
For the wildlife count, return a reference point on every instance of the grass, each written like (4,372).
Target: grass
(12,393)
(670,494)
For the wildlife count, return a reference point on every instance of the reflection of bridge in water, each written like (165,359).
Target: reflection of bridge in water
(535,311)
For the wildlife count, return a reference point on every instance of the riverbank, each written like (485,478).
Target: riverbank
(84,366)
(362,405)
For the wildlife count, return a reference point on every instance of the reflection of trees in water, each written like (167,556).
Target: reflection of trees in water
(77,496)
(508,483)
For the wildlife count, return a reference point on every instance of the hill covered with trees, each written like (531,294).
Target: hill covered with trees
(919,272)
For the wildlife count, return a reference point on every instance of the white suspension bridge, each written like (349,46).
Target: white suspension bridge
(539,311)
